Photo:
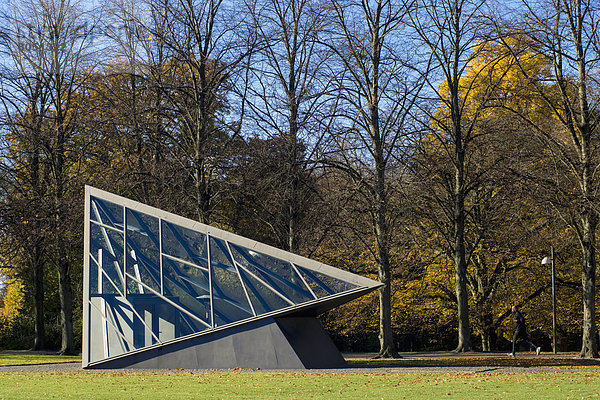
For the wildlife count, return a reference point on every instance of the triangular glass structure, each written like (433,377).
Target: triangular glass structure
(152,278)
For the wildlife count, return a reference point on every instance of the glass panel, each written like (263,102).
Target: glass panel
(143,253)
(106,213)
(142,235)
(229,298)
(93,275)
(161,320)
(141,269)
(188,287)
(324,285)
(263,299)
(133,286)
(183,243)
(186,325)
(111,325)
(111,245)
(120,325)
(144,224)
(219,254)
(110,269)
(277,273)
(227,311)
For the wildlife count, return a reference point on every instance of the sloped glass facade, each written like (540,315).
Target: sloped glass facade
(152,277)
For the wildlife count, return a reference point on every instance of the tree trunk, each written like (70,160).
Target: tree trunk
(589,217)
(589,348)
(38,298)
(487,332)
(66,300)
(37,251)
(62,265)
(292,198)
(464,333)
(485,341)
(386,338)
(202,191)
(60,216)
(293,213)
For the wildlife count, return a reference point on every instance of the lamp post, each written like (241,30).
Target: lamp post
(546,261)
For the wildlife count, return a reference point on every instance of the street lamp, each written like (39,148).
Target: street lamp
(546,261)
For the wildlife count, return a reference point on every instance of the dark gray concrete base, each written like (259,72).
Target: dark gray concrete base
(271,343)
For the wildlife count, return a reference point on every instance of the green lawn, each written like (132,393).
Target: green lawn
(24,358)
(584,383)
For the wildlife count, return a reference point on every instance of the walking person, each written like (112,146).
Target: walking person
(521,332)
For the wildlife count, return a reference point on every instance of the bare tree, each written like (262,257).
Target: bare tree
(132,110)
(124,28)
(287,93)
(198,45)
(375,95)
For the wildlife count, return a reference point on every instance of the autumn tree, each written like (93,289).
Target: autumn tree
(131,108)
(566,34)
(497,200)
(451,32)
(59,59)
(26,101)
(12,304)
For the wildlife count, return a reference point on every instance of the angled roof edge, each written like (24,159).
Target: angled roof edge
(228,236)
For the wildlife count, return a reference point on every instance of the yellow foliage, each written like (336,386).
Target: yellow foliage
(502,78)
(14,301)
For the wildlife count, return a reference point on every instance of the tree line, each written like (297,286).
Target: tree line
(439,146)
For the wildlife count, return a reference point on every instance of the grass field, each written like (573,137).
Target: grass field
(572,379)
(582,384)
(9,358)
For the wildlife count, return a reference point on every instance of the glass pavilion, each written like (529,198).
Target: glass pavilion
(157,284)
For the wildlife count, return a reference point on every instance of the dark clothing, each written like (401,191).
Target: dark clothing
(520,331)
(519,320)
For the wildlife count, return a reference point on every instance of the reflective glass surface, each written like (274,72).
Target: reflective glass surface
(263,298)
(151,280)
(183,243)
(229,296)
(106,252)
(278,274)
(188,286)
(106,213)
(323,285)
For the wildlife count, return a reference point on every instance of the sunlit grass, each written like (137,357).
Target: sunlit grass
(22,358)
(577,382)
(262,385)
